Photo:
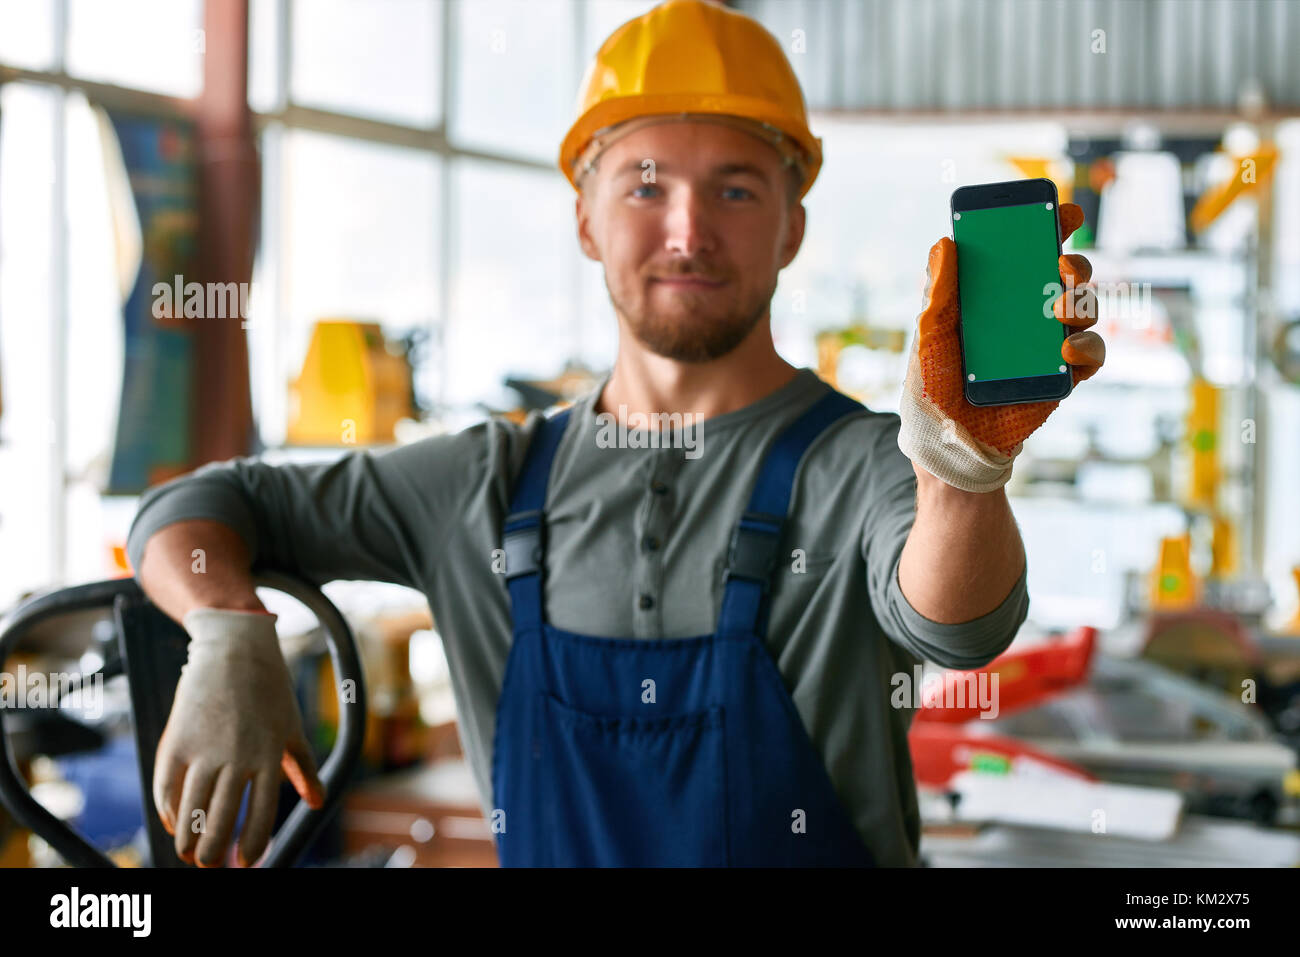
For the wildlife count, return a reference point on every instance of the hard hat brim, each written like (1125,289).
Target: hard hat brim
(615,111)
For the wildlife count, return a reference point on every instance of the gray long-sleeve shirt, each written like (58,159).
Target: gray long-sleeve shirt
(637,542)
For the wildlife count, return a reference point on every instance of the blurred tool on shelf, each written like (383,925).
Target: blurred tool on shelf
(1251,172)
(1047,167)
(1285,350)
(831,344)
(541,394)
(354,388)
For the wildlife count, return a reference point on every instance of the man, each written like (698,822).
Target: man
(670,652)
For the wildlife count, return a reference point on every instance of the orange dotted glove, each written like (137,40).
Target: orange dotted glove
(971,447)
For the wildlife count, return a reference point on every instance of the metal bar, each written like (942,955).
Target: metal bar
(446,264)
(1172,120)
(228,197)
(104,94)
(303,824)
(433,140)
(59,310)
(284,40)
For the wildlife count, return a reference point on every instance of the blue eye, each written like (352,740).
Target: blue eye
(644,186)
(738,189)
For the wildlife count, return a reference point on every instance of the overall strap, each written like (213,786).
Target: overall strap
(524,538)
(752,556)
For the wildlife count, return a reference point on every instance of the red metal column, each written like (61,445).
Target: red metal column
(229,202)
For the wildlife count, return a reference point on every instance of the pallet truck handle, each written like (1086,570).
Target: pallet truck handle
(129,602)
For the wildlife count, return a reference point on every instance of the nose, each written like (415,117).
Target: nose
(688,232)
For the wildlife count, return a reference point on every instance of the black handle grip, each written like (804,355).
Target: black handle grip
(303,823)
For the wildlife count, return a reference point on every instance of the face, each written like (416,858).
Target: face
(692,242)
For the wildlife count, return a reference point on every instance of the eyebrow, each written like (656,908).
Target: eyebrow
(725,169)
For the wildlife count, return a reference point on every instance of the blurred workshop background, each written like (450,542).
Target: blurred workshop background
(377,179)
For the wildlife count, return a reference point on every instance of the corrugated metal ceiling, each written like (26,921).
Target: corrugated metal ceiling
(1038,54)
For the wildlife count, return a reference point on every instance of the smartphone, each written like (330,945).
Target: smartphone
(1008,238)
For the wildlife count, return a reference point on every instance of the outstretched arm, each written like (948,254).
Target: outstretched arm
(964,552)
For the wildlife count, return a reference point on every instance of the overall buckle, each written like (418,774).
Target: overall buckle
(752,553)
(524,543)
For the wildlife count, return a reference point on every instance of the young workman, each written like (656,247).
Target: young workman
(667,652)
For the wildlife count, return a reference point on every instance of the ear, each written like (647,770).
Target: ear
(582,213)
(795,223)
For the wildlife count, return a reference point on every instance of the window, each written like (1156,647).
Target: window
(27,33)
(358,220)
(154,45)
(512,93)
(361,241)
(512,303)
(375,58)
(29,116)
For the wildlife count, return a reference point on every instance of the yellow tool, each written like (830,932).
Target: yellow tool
(352,390)
(1223,549)
(1045,167)
(1252,171)
(1173,584)
(1203,439)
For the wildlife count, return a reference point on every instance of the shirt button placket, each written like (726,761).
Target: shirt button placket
(656,505)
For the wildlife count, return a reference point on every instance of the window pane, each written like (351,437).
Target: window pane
(264,94)
(27,33)
(360,238)
(28,491)
(94,353)
(516,76)
(513,277)
(376,58)
(154,45)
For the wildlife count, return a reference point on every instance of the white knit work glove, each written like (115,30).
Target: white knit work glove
(234,720)
(943,446)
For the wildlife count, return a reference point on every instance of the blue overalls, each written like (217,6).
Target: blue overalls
(676,752)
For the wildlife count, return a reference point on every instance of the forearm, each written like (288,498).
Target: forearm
(964,553)
(197,563)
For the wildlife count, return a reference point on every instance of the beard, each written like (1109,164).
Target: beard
(692,337)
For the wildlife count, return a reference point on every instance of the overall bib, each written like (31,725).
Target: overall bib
(675,752)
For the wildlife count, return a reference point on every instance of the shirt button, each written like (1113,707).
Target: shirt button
(658,487)
(647,601)
(650,543)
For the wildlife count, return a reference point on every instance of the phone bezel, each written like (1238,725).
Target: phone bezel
(1039,388)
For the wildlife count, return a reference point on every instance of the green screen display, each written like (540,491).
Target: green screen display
(1006,257)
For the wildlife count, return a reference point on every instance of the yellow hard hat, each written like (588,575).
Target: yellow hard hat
(689,57)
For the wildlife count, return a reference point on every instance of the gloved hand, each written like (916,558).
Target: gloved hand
(234,719)
(972,447)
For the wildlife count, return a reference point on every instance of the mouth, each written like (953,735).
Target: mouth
(689,282)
